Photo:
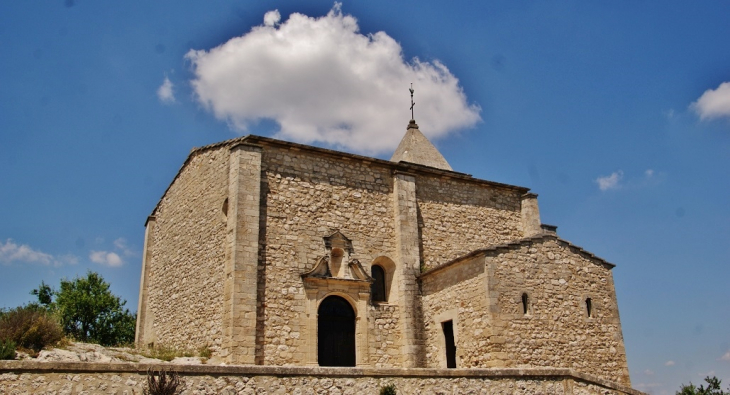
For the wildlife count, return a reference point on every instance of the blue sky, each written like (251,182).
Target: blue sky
(614,113)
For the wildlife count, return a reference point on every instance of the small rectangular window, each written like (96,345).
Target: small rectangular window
(448,328)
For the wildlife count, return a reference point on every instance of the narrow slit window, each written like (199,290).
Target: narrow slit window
(589,307)
(525,301)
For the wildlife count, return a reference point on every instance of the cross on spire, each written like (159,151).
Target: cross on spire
(412,102)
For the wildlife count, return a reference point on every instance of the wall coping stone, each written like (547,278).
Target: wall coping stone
(268,370)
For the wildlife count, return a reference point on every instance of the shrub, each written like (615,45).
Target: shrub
(388,390)
(30,327)
(7,349)
(165,353)
(205,352)
(162,383)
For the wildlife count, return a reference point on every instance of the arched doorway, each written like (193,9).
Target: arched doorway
(336,332)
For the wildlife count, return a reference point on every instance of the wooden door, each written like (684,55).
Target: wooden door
(336,332)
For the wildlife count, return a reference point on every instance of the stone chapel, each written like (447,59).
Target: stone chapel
(276,253)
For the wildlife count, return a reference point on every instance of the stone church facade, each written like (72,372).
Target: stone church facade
(275,253)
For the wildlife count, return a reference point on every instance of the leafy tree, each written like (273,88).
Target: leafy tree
(44,294)
(713,388)
(88,311)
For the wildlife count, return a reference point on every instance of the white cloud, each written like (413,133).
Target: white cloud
(165,92)
(121,245)
(11,252)
(321,80)
(610,182)
(713,103)
(106,258)
(69,259)
(726,356)
(272,18)
(669,363)
(649,372)
(649,173)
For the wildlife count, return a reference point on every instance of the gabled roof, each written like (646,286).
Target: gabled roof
(500,248)
(415,148)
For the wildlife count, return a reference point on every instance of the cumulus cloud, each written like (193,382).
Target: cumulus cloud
(121,245)
(322,80)
(165,92)
(272,18)
(610,182)
(726,356)
(11,252)
(106,258)
(669,363)
(713,103)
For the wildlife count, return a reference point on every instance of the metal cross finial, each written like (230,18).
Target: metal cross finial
(412,102)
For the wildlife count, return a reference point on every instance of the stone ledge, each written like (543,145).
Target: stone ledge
(262,370)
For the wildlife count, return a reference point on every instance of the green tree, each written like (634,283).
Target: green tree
(88,310)
(713,388)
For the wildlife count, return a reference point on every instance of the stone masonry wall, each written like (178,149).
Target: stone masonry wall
(458,294)
(21,379)
(556,331)
(483,296)
(308,197)
(185,284)
(457,217)
(385,336)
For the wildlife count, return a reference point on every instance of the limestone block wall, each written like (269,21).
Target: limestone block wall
(385,336)
(457,217)
(458,294)
(186,256)
(556,331)
(18,377)
(483,297)
(307,197)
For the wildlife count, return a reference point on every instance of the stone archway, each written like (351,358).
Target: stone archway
(336,332)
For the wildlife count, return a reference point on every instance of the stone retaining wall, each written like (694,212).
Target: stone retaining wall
(29,377)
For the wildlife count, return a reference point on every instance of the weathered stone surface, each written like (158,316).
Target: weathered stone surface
(415,148)
(184,288)
(68,378)
(232,247)
(483,295)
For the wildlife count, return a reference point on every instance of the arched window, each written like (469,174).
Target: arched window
(525,303)
(589,307)
(377,288)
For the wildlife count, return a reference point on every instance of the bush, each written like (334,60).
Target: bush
(388,390)
(165,353)
(30,327)
(7,349)
(162,383)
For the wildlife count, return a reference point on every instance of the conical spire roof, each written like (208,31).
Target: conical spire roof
(415,148)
